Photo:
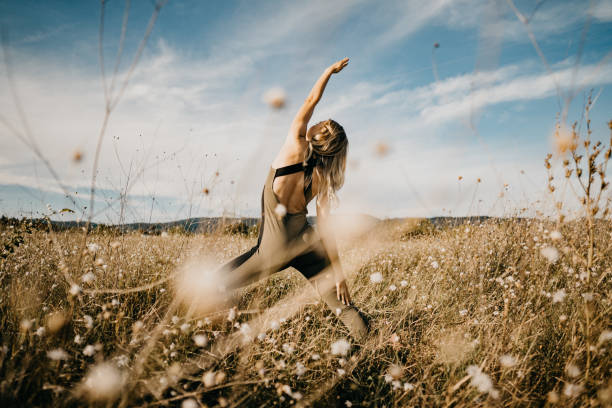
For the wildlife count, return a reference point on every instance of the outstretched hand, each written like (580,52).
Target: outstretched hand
(342,292)
(337,67)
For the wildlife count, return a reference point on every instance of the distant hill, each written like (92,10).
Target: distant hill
(211,224)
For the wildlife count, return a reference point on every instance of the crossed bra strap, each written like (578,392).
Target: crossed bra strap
(295,168)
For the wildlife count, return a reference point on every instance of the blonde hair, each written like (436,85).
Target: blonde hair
(326,152)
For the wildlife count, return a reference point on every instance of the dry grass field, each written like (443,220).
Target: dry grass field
(498,313)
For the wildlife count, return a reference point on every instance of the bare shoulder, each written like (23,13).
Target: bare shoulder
(291,152)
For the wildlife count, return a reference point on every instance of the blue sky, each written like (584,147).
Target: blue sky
(193,107)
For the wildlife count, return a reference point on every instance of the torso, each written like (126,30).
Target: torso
(289,189)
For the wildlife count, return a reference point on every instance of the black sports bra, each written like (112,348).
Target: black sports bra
(295,168)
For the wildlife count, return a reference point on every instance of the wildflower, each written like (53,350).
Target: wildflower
(25,325)
(300,369)
(93,247)
(559,296)
(77,339)
(75,289)
(341,372)
(209,379)
(288,348)
(376,277)
(315,357)
(408,386)
(103,382)
(57,354)
(280,210)
(348,403)
(40,331)
(395,371)
(185,327)
(403,283)
(588,296)
(481,381)
(381,149)
(274,325)
(553,397)
(201,340)
(340,347)
(572,390)
(550,253)
(434,264)
(604,336)
(189,403)
(392,288)
(555,235)
(463,312)
(275,97)
(88,321)
(89,350)
(572,370)
(77,156)
(507,360)
(88,277)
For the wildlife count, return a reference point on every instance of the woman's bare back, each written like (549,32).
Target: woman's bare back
(289,189)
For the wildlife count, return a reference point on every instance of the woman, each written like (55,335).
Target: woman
(310,163)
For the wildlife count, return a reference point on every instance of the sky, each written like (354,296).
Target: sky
(435,97)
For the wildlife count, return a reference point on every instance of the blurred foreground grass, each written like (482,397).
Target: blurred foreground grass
(494,313)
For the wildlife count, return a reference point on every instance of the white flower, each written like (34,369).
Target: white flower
(315,357)
(274,325)
(463,312)
(588,296)
(376,277)
(209,379)
(403,283)
(341,372)
(605,336)
(231,315)
(434,264)
(507,360)
(185,327)
(573,370)
(555,235)
(288,348)
(89,350)
(348,403)
(57,354)
(280,210)
(550,253)
(481,381)
(93,247)
(408,386)
(189,403)
(88,277)
(77,339)
(75,289)
(40,331)
(559,296)
(572,390)
(88,321)
(300,369)
(340,347)
(201,340)
(103,382)
(392,288)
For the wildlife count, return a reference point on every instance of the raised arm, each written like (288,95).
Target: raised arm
(300,122)
(329,243)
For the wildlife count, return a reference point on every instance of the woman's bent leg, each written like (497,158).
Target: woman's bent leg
(315,267)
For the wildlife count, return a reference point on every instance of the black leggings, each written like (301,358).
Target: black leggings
(313,265)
